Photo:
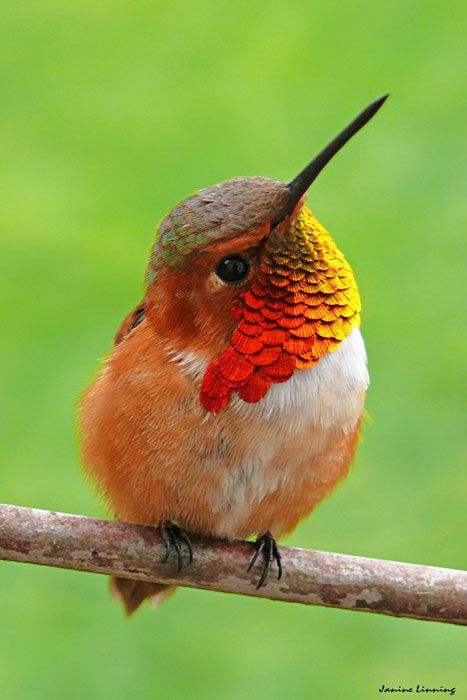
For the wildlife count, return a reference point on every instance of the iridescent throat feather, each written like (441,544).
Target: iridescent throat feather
(302,304)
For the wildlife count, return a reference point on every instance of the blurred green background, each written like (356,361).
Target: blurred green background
(109,114)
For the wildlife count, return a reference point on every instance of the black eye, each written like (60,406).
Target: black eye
(233,269)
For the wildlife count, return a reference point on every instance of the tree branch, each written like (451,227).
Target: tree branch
(310,577)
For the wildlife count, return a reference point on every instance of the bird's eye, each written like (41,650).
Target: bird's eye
(233,269)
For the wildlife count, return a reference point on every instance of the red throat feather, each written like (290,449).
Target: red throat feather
(302,304)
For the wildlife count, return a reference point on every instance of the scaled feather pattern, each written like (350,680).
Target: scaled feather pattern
(302,304)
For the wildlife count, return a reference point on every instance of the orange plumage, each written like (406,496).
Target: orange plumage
(232,401)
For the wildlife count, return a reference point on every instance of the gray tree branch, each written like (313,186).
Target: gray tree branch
(310,577)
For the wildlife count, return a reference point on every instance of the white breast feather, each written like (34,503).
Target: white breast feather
(327,396)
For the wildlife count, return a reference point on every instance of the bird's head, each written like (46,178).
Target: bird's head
(242,275)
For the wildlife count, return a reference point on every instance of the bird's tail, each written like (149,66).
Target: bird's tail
(132,593)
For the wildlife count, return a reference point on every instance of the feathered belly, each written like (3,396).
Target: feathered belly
(288,451)
(157,455)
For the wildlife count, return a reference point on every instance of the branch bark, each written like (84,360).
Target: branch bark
(310,577)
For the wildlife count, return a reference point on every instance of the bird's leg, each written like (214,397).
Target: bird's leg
(267,547)
(173,535)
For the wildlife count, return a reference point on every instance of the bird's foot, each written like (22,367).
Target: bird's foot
(267,547)
(174,536)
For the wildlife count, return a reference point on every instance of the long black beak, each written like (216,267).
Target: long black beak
(299,185)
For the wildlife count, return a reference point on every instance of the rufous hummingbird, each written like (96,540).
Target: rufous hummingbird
(232,401)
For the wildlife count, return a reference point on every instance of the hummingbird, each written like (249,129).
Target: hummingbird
(232,401)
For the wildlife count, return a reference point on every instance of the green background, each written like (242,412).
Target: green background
(109,114)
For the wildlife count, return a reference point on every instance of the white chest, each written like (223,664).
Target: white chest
(327,395)
(295,423)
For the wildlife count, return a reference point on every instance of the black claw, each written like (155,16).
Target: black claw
(260,544)
(266,545)
(171,534)
(167,543)
(184,536)
(178,549)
